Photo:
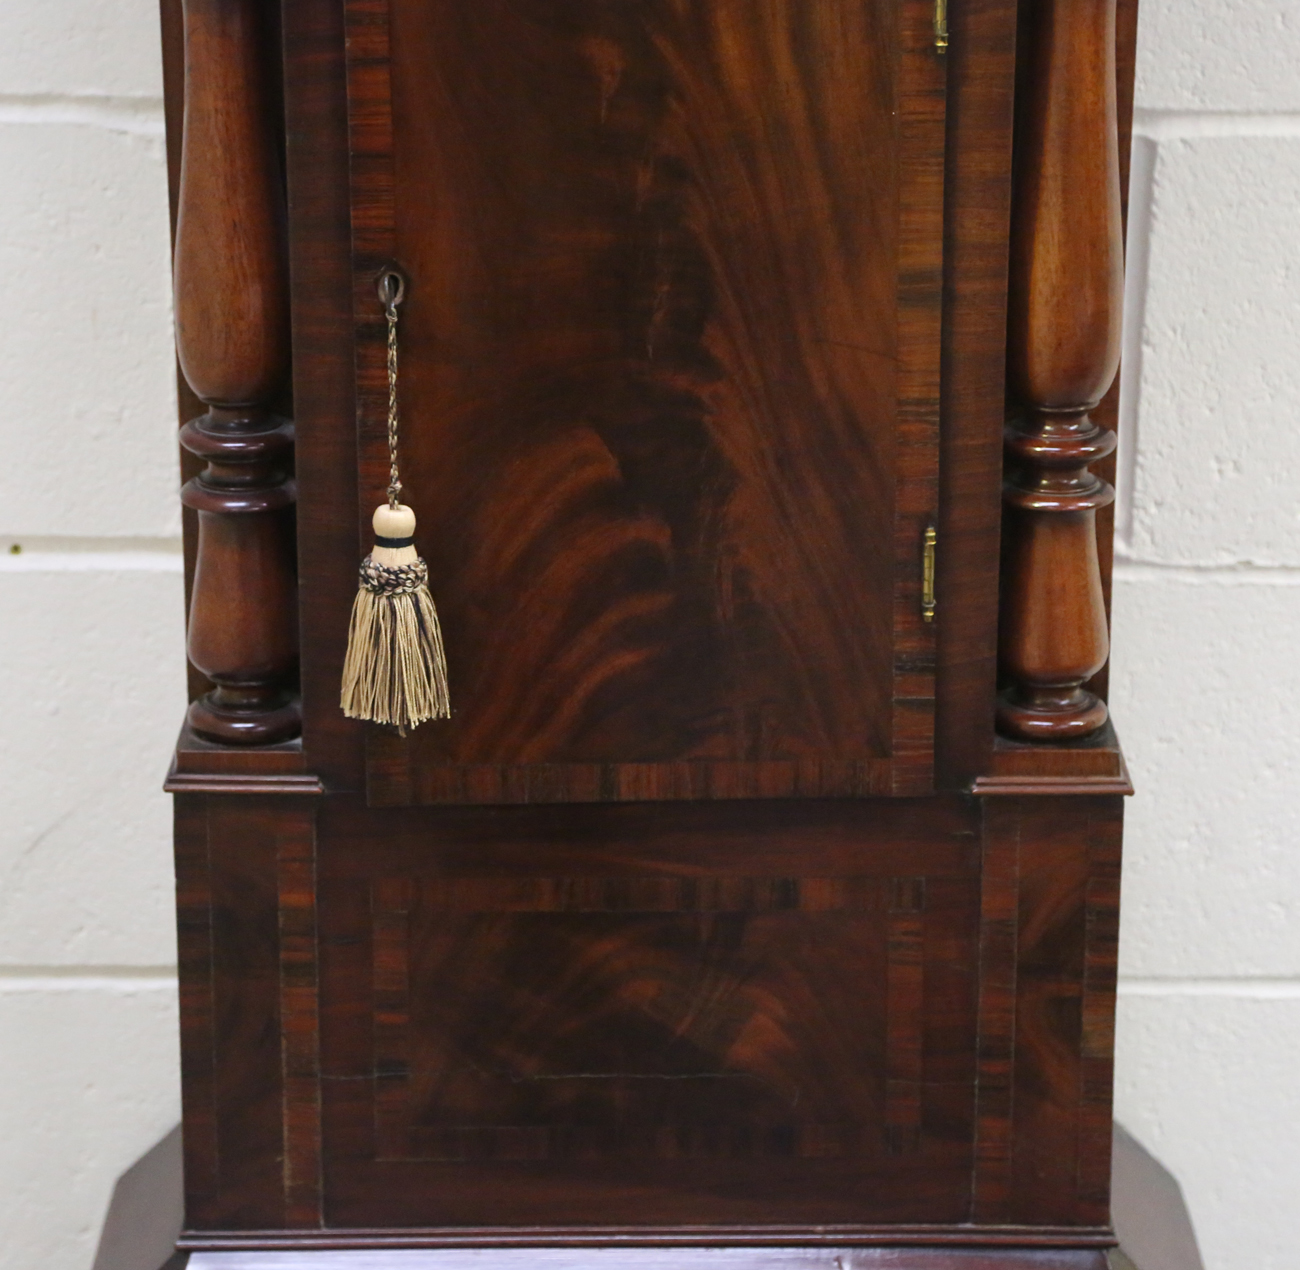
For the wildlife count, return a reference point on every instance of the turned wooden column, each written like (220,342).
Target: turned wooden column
(1063,351)
(232,336)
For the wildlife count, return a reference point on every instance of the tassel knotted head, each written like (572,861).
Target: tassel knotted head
(395,671)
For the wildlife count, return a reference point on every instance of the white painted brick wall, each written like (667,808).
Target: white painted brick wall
(1207,621)
(89,1074)
(1206,1080)
(97,49)
(1222,330)
(84,851)
(90,620)
(1218,55)
(83,280)
(1207,613)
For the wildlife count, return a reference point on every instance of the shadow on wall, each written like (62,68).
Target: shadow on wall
(1151,1219)
(144,1214)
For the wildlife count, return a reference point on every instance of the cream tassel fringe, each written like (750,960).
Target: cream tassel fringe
(396,671)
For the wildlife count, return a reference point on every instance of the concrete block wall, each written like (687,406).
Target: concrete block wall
(91,620)
(1207,622)
(1207,613)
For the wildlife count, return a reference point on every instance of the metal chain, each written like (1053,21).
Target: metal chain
(394,483)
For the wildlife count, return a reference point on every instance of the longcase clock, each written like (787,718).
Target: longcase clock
(758,899)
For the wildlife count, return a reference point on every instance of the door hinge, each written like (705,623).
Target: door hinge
(927,573)
(941,25)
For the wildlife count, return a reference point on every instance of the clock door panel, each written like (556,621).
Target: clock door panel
(670,365)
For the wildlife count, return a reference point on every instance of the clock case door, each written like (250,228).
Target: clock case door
(670,385)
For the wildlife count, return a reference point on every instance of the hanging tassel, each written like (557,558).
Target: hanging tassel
(395,671)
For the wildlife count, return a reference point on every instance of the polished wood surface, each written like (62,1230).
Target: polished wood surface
(1106,414)
(375,999)
(1066,301)
(672,524)
(795,1022)
(324,383)
(230,283)
(977,192)
(231,294)
(642,1017)
(1094,765)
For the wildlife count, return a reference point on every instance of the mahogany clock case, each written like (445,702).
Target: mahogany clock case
(668,937)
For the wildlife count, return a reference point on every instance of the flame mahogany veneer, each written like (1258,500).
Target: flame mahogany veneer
(720,923)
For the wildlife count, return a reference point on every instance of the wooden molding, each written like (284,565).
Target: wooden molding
(1094,765)
(223,783)
(232,339)
(1019,786)
(1066,296)
(813,1238)
(200,766)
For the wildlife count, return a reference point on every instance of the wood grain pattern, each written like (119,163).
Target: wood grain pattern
(1047,1002)
(231,338)
(1093,765)
(938,975)
(246,955)
(991,1189)
(629,1016)
(243,628)
(905,1014)
(480,1104)
(639,490)
(981,80)
(977,189)
(1097,1047)
(1069,861)
(1066,292)
(194,969)
(470,960)
(244,1039)
(300,1023)
(230,278)
(206,767)
(316,154)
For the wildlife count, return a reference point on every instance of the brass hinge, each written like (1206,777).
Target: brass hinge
(941,25)
(927,573)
